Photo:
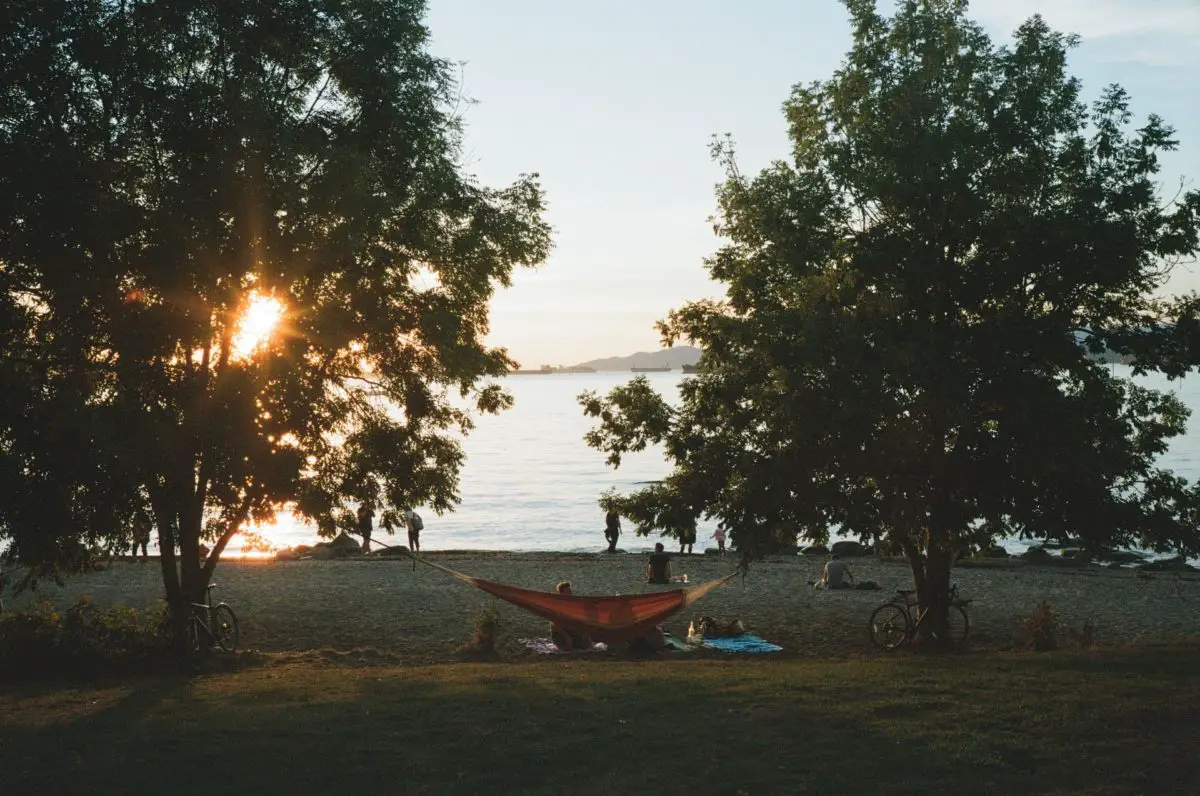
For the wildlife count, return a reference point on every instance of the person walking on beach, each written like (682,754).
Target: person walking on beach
(414,523)
(719,535)
(612,529)
(366,515)
(141,535)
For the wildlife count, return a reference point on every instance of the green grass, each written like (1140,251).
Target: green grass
(1112,722)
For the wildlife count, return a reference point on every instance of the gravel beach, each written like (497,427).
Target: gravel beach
(383,607)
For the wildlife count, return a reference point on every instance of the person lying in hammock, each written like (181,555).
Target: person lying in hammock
(568,639)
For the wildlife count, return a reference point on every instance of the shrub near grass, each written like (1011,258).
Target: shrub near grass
(82,639)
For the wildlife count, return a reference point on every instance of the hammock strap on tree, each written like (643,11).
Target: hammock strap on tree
(609,619)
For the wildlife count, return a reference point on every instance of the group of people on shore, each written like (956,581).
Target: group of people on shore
(412,523)
(687,536)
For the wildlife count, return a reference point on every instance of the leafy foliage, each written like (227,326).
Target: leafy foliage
(914,301)
(165,167)
(1041,628)
(82,639)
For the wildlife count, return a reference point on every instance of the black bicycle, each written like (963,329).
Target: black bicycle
(212,625)
(892,624)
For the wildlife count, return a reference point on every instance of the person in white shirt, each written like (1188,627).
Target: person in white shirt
(835,574)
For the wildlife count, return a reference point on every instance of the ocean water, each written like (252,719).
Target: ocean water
(530,482)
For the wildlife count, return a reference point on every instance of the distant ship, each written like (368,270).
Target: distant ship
(662,369)
(691,368)
(546,370)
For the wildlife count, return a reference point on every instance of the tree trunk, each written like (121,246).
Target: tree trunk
(934,599)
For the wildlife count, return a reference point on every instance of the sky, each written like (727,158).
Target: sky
(614,104)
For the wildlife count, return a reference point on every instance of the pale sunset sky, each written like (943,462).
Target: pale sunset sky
(614,104)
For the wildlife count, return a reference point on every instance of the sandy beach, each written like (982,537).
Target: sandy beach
(383,607)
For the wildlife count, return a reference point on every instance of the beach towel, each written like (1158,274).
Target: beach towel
(744,643)
(545,646)
(608,619)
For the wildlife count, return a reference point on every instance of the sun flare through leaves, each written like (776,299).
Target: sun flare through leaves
(257,324)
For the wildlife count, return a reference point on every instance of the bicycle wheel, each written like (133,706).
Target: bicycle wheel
(957,625)
(193,633)
(889,626)
(225,628)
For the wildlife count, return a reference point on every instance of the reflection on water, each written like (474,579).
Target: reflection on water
(530,482)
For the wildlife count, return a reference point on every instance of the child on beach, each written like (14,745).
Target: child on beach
(719,535)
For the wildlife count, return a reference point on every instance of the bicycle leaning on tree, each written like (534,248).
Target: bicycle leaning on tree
(212,625)
(898,621)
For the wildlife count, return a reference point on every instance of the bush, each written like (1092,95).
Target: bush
(83,639)
(1085,637)
(487,633)
(1039,627)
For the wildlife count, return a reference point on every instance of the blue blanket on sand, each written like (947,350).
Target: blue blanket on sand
(747,642)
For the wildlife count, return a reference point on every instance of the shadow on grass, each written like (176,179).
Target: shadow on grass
(986,724)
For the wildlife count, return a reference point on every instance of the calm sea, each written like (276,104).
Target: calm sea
(531,483)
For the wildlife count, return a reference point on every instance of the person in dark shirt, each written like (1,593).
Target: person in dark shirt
(687,537)
(612,529)
(366,515)
(659,568)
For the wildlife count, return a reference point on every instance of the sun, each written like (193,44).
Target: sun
(262,315)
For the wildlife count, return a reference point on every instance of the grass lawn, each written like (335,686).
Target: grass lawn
(1095,723)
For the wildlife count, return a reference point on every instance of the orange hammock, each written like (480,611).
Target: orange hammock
(608,619)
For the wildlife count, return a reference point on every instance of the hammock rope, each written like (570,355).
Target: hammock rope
(611,619)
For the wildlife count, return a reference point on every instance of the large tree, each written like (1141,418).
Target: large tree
(171,174)
(914,304)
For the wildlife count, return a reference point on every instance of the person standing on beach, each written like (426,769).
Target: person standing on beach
(612,529)
(719,535)
(366,514)
(414,523)
(141,535)
(687,536)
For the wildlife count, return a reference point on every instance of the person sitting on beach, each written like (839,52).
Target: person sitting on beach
(658,570)
(836,570)
(564,639)
(649,642)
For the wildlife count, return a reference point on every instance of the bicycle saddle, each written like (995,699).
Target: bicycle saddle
(905,592)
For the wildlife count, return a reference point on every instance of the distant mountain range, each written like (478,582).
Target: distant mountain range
(674,358)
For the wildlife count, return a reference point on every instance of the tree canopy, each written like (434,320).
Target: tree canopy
(170,173)
(914,301)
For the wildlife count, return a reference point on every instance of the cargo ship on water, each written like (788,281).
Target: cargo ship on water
(662,369)
(545,370)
